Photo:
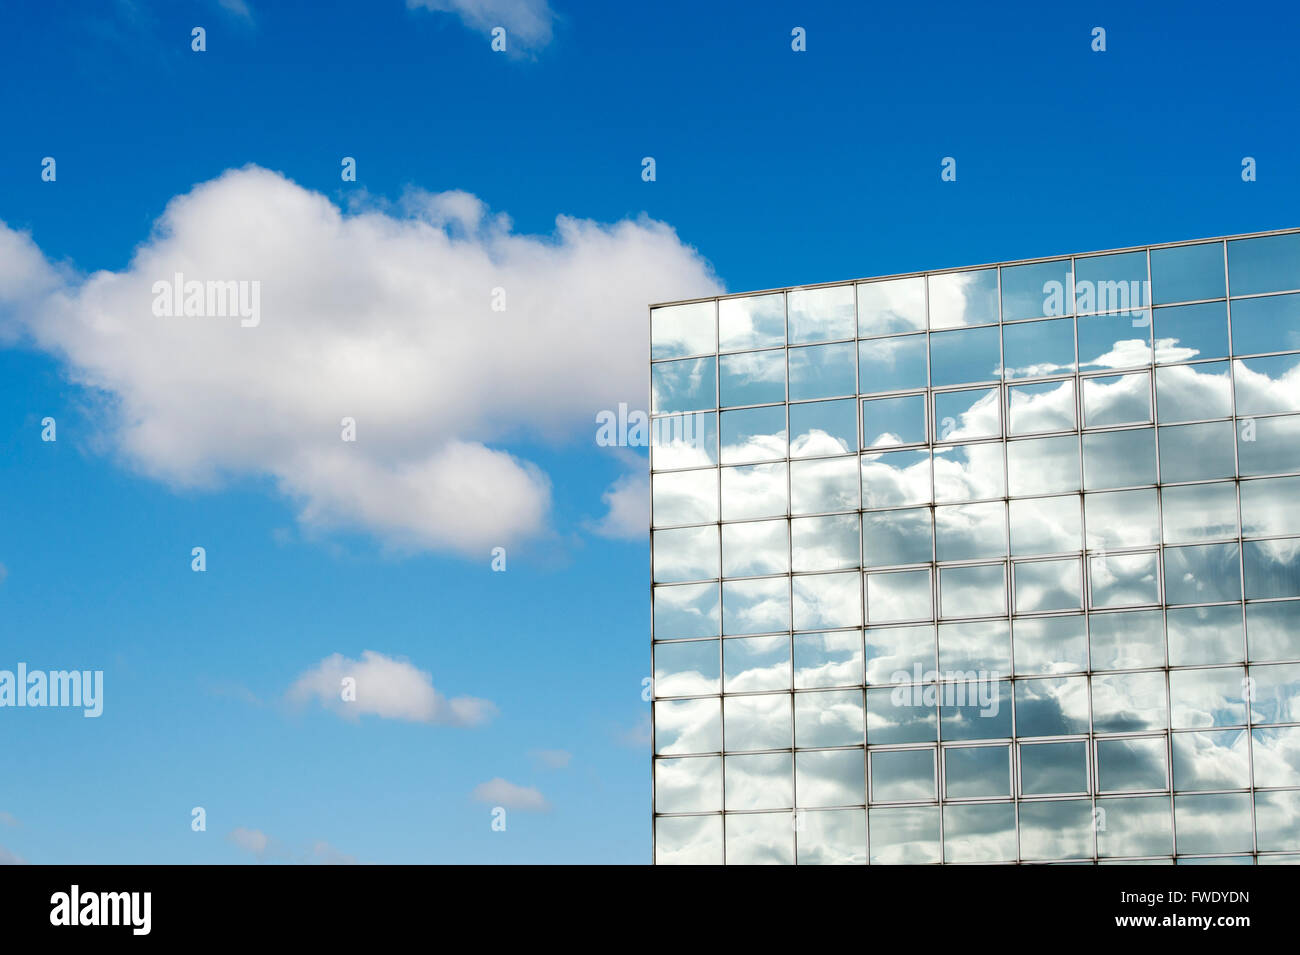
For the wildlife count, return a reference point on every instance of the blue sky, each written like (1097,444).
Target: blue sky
(772,168)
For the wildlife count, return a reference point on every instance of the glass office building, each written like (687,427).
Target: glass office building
(985,565)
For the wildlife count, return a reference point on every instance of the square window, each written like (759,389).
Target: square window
(893,421)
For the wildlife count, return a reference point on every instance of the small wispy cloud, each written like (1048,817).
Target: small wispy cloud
(552,758)
(263,848)
(529,24)
(502,792)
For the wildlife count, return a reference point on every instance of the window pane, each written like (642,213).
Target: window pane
(1046,525)
(690,785)
(1117,399)
(824,485)
(677,330)
(897,305)
(836,778)
(1201,635)
(1207,698)
(1053,706)
(1265,324)
(893,421)
(900,654)
(975,771)
(892,364)
(756,663)
(902,775)
(756,321)
(755,491)
(684,441)
(1032,291)
(685,497)
(979,833)
(1038,349)
(1045,407)
(828,718)
(752,378)
(761,781)
(688,840)
(765,838)
(688,726)
(965,356)
(1187,273)
(823,371)
(963,298)
(904,595)
(1199,512)
(1131,765)
(1267,385)
(757,722)
(821,314)
(825,543)
(753,434)
(1272,568)
(755,547)
(1053,768)
(895,478)
(1043,465)
(1123,580)
(687,553)
(1196,452)
(1051,644)
(832,837)
(1203,574)
(1187,332)
(896,537)
(823,427)
(904,835)
(973,646)
(1193,392)
(971,531)
(1119,458)
(1048,585)
(689,610)
(968,472)
(1268,445)
(1119,519)
(1273,630)
(828,659)
(687,669)
(1141,826)
(1128,702)
(1126,641)
(1213,760)
(756,606)
(824,601)
(1111,283)
(1119,340)
(973,591)
(1265,264)
(1214,823)
(686,385)
(1268,508)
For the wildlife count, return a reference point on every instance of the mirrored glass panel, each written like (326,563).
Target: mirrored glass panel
(764,838)
(828,718)
(688,726)
(900,654)
(754,548)
(1129,702)
(1116,399)
(822,428)
(893,421)
(1120,340)
(1198,512)
(1135,826)
(1201,635)
(688,840)
(1212,760)
(1111,283)
(685,497)
(1042,407)
(1219,822)
(1054,768)
(973,591)
(1269,263)
(686,553)
(1193,392)
(686,385)
(892,364)
(896,305)
(1267,385)
(1052,706)
(1039,349)
(761,721)
(901,715)
(679,330)
(1190,332)
(1037,290)
(1268,507)
(755,491)
(1187,273)
(902,775)
(755,606)
(756,663)
(965,356)
(1119,458)
(825,543)
(979,833)
(1046,525)
(823,485)
(897,596)
(1043,465)
(1127,641)
(963,298)
(1205,573)
(1273,630)
(974,646)
(1196,452)
(1132,764)
(823,371)
(896,537)
(1123,580)
(755,321)
(759,781)
(967,415)
(686,610)
(1043,585)
(753,434)
(687,669)
(904,835)
(973,772)
(895,478)
(1268,445)
(968,472)
(828,659)
(1269,324)
(684,441)
(834,778)
(1119,519)
(691,785)
(751,378)
(1272,568)
(1203,699)
(821,314)
(825,601)
(970,531)
(1051,644)
(833,837)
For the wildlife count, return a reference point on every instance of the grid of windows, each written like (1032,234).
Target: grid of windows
(988,565)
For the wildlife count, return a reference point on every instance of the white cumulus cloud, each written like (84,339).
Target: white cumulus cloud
(382,315)
(386,687)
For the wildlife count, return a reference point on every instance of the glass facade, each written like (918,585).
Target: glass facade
(986,565)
